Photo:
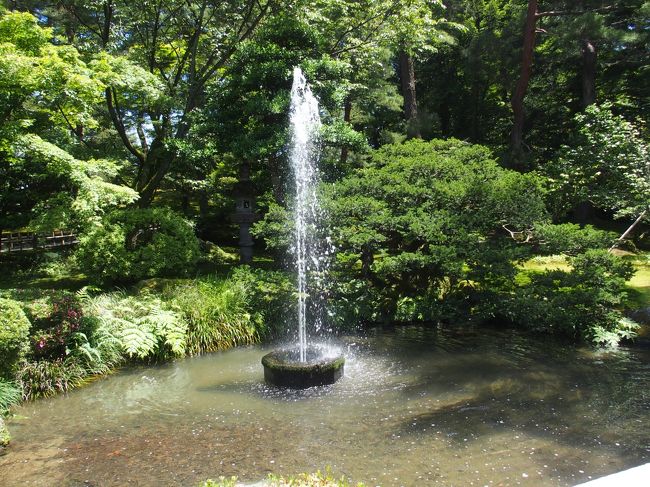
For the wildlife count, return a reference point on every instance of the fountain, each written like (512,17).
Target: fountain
(304,365)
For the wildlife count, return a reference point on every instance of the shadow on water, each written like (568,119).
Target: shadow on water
(587,399)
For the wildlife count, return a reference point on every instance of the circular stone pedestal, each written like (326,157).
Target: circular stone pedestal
(284,368)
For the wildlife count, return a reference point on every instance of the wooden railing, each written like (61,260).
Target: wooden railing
(21,241)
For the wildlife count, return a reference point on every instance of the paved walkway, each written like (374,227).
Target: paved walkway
(634,477)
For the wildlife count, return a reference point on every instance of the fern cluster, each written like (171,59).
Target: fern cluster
(145,327)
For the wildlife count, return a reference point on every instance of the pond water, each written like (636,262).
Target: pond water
(417,406)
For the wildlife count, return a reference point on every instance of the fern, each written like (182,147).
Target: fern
(84,351)
(138,341)
(143,325)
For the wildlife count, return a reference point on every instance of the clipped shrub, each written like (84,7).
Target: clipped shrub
(138,243)
(14,333)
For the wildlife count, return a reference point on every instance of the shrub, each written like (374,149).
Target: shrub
(138,243)
(420,220)
(14,333)
(580,303)
(60,317)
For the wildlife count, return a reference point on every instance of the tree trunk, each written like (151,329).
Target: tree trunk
(204,204)
(347,112)
(589,63)
(444,112)
(407,80)
(629,229)
(517,101)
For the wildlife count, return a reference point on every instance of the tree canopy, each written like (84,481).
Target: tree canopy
(459,137)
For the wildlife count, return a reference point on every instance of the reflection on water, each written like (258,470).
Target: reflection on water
(417,406)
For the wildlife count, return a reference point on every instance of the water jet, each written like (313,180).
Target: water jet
(305,365)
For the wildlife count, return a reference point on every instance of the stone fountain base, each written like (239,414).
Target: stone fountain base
(283,368)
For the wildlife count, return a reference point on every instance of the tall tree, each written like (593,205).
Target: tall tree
(182,45)
(46,91)
(517,101)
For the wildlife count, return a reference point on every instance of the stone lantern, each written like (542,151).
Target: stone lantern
(244,215)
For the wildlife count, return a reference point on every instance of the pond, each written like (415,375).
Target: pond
(417,406)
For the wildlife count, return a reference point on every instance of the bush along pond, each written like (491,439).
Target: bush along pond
(303,365)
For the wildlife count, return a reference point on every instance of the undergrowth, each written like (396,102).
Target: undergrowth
(217,314)
(317,479)
(68,337)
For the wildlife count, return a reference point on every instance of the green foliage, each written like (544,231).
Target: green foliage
(571,239)
(21,29)
(217,255)
(45,378)
(145,327)
(55,319)
(419,221)
(217,313)
(607,162)
(9,396)
(47,91)
(276,228)
(271,295)
(581,303)
(14,332)
(134,244)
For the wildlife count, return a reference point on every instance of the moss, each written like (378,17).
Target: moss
(5,437)
(278,361)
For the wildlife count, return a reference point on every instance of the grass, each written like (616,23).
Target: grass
(217,315)
(639,287)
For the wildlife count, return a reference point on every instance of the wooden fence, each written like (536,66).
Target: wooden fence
(22,241)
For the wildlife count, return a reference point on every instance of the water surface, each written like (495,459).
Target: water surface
(417,406)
